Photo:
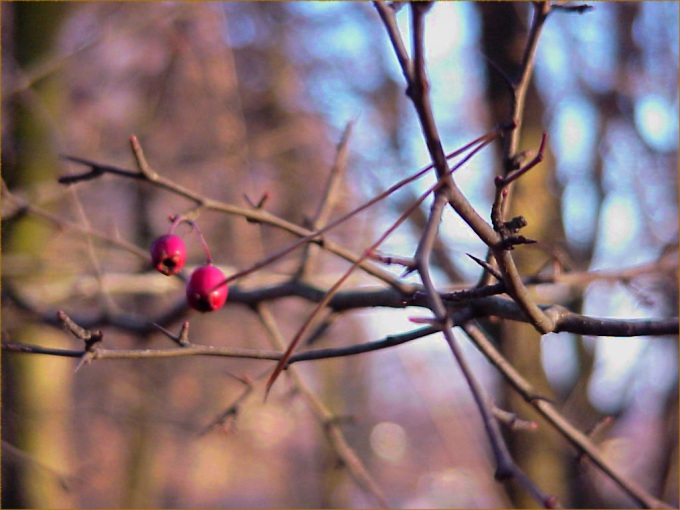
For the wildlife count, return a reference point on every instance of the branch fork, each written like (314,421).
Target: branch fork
(90,338)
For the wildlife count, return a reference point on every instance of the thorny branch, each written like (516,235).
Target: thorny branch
(417,90)
(548,411)
(503,308)
(505,466)
(281,365)
(259,215)
(474,302)
(499,240)
(457,308)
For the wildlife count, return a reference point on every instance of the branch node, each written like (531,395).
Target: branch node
(516,224)
(509,243)
(516,168)
(90,338)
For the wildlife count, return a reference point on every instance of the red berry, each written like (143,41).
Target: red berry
(203,293)
(168,254)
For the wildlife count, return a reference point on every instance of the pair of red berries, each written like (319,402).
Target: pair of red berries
(204,292)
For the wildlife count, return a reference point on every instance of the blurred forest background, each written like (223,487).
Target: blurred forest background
(238,99)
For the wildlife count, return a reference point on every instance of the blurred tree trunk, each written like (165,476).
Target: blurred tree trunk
(39,388)
(537,453)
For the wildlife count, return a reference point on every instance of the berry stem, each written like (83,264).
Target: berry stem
(208,256)
(177,219)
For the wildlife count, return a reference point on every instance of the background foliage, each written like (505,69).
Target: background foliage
(239,99)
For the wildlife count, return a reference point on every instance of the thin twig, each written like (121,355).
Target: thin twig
(325,417)
(541,11)
(475,302)
(548,411)
(499,205)
(140,159)
(515,174)
(90,338)
(330,196)
(62,224)
(500,250)
(501,308)
(230,413)
(505,465)
(281,365)
(474,147)
(180,352)
(96,171)
(390,21)
(258,215)
(192,349)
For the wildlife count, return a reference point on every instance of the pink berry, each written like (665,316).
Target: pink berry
(168,254)
(203,293)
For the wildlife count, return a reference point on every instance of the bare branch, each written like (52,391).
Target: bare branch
(390,21)
(548,411)
(505,465)
(66,225)
(142,164)
(325,417)
(331,292)
(330,195)
(96,171)
(226,418)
